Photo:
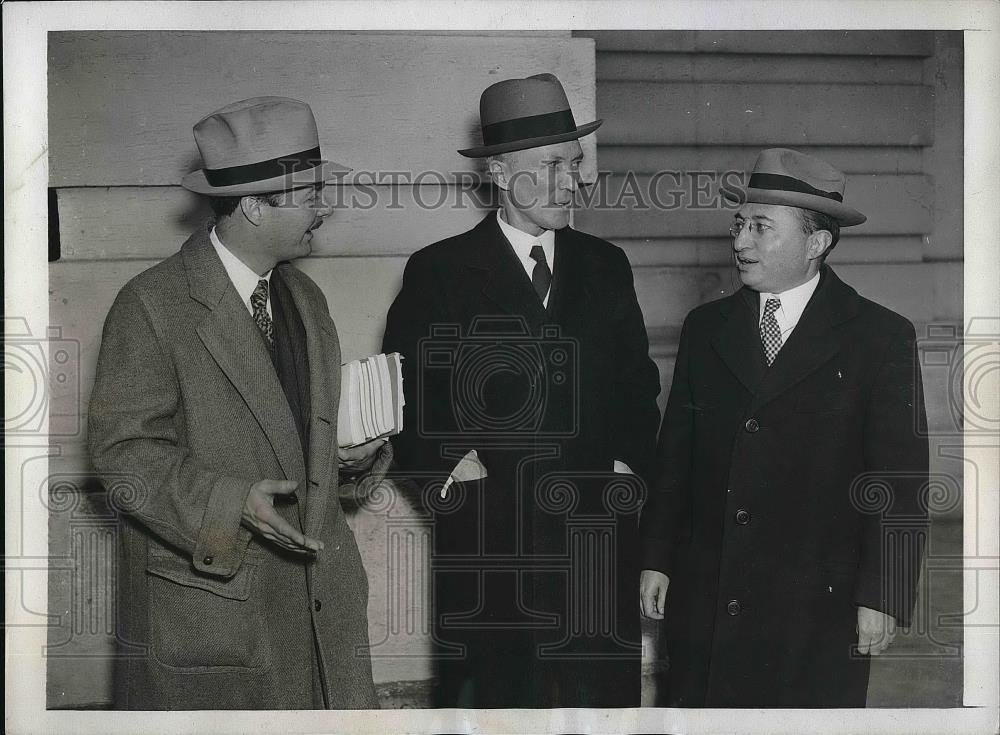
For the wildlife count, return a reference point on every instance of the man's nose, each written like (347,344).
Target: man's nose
(324,207)
(742,240)
(571,181)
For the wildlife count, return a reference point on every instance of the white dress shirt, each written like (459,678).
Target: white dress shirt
(793,303)
(522,243)
(243,278)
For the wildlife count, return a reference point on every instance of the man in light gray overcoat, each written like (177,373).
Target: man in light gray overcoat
(213,425)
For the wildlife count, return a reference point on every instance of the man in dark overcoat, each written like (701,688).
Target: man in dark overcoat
(782,541)
(213,425)
(530,397)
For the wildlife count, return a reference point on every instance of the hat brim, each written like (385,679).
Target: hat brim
(845,216)
(325,171)
(483,151)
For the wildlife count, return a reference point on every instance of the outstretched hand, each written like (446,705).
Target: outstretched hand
(260,517)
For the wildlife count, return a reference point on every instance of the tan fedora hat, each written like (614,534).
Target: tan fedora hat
(525,113)
(784,176)
(259,145)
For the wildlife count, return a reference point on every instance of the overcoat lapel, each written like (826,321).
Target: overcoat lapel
(494,266)
(323,347)
(814,342)
(234,341)
(571,281)
(738,341)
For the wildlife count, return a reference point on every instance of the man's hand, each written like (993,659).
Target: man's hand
(876,630)
(653,593)
(355,460)
(260,517)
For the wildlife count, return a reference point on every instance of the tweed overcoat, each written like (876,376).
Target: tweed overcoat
(187,413)
(787,496)
(535,567)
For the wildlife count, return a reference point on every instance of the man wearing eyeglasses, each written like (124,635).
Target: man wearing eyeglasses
(782,541)
(215,409)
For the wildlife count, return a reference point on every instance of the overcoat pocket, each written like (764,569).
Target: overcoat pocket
(198,621)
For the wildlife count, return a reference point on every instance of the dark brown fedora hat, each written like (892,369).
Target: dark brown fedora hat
(526,113)
(795,179)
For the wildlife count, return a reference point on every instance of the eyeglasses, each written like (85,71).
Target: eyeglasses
(756,229)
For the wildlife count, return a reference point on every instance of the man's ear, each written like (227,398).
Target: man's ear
(498,172)
(818,243)
(252,209)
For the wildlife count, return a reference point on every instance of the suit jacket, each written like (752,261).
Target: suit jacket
(186,414)
(548,398)
(787,496)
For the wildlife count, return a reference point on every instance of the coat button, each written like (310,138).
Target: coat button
(207,561)
(752,426)
(742,517)
(733,607)
(317,605)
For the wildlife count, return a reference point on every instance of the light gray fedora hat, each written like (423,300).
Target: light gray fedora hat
(259,145)
(795,179)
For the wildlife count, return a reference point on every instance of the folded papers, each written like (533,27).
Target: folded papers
(371,399)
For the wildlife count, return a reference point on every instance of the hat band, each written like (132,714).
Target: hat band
(264,170)
(787,183)
(533,126)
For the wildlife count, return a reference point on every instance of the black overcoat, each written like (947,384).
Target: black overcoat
(787,496)
(535,568)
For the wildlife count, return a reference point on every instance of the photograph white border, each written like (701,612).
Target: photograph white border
(26,294)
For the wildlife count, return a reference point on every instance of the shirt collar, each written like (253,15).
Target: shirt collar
(243,278)
(522,242)
(793,301)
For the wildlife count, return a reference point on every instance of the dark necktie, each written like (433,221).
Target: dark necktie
(770,332)
(541,276)
(258,300)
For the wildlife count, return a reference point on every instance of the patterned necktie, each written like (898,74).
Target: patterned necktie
(770,332)
(541,276)
(258,300)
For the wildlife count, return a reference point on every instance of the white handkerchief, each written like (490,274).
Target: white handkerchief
(622,469)
(468,468)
